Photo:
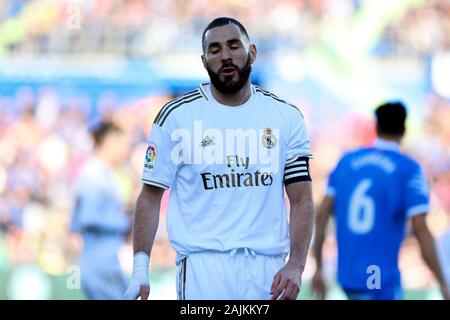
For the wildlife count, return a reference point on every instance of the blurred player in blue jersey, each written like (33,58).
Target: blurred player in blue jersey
(99,215)
(373,192)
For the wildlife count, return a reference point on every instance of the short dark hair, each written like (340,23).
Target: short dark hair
(101,130)
(391,117)
(221,21)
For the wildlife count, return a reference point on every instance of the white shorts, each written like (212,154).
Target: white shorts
(237,275)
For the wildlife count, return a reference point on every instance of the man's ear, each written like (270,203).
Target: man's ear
(253,53)
(203,61)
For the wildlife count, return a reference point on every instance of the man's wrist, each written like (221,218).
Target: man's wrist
(141,262)
(296,264)
(443,286)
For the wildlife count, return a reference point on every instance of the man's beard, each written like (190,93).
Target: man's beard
(231,86)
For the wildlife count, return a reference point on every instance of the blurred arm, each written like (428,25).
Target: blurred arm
(326,207)
(428,250)
(322,218)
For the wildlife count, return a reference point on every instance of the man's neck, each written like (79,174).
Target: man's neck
(391,144)
(390,138)
(102,156)
(232,99)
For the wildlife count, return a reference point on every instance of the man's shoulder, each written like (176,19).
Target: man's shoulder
(408,162)
(355,152)
(400,159)
(350,155)
(91,174)
(270,97)
(177,105)
(404,160)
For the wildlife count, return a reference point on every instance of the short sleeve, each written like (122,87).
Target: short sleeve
(331,186)
(298,143)
(74,225)
(160,165)
(417,193)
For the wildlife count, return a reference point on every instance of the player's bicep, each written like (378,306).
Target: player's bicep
(419,223)
(299,192)
(417,194)
(151,192)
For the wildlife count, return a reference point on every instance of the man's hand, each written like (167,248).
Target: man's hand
(136,290)
(139,284)
(287,282)
(318,285)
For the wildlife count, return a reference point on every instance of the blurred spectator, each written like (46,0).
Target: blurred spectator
(143,28)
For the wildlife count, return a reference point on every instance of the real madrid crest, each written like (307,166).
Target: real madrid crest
(269,140)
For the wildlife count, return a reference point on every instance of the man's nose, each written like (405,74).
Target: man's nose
(226,55)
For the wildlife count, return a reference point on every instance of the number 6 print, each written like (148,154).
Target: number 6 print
(362,209)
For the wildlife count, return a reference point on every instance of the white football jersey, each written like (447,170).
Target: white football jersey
(226,167)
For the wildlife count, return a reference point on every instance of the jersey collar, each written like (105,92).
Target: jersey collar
(205,90)
(387,145)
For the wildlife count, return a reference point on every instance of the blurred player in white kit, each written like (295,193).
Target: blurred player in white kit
(99,216)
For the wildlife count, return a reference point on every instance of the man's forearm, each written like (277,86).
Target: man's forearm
(323,215)
(428,250)
(322,218)
(319,238)
(145,223)
(300,228)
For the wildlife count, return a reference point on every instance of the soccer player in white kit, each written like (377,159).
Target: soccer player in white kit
(227,151)
(99,215)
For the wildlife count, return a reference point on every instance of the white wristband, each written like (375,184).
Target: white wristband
(141,262)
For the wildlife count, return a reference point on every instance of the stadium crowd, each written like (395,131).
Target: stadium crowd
(147,28)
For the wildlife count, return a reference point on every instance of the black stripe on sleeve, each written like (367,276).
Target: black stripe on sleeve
(163,119)
(184,278)
(167,106)
(297,170)
(271,95)
(154,183)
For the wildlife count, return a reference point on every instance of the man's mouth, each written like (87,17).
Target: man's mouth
(228,71)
